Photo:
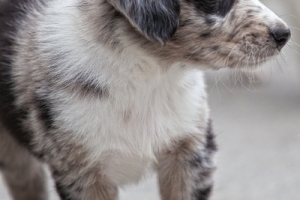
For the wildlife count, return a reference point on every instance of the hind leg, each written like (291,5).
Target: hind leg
(23,174)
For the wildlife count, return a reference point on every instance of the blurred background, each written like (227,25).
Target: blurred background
(257,122)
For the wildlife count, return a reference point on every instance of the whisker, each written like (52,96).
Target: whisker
(225,84)
(292,46)
(289,15)
(296,52)
(285,61)
(298,29)
(279,66)
(294,43)
(188,58)
(216,85)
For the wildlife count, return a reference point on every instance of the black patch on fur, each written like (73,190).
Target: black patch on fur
(232,35)
(186,22)
(205,34)
(218,7)
(253,11)
(203,194)
(157,19)
(45,113)
(63,192)
(199,161)
(215,48)
(81,86)
(88,87)
(210,138)
(196,160)
(247,25)
(10,115)
(210,21)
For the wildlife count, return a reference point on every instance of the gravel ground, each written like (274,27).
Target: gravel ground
(258,131)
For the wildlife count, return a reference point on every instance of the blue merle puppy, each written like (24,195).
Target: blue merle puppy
(106,91)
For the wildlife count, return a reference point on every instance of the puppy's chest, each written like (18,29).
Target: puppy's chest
(128,128)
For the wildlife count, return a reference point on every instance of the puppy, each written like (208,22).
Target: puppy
(105,91)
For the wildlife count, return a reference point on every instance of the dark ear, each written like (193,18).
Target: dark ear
(156,19)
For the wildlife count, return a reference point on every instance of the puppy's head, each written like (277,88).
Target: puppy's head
(216,33)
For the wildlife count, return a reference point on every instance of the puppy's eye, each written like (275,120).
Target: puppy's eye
(213,7)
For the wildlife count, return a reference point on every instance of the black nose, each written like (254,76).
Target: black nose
(281,37)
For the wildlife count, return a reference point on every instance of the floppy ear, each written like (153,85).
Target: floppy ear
(156,19)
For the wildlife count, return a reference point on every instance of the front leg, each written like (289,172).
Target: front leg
(185,172)
(75,185)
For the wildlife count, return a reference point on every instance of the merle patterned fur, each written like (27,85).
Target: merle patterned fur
(104,90)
